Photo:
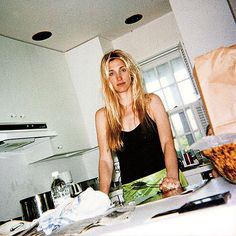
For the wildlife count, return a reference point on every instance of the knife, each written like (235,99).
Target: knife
(209,201)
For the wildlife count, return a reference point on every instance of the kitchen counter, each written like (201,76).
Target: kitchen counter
(218,220)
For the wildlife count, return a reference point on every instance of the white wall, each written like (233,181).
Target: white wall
(47,73)
(84,66)
(106,45)
(18,180)
(36,82)
(204,25)
(150,39)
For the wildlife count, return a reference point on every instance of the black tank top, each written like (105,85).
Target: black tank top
(142,153)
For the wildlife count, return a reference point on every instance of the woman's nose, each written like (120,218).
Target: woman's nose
(118,76)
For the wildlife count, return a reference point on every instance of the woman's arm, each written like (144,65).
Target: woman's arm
(160,116)
(105,157)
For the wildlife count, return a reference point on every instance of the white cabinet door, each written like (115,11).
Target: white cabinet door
(36,87)
(8,109)
(57,99)
(26,93)
(19,101)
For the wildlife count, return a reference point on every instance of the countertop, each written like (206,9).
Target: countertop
(218,220)
(211,221)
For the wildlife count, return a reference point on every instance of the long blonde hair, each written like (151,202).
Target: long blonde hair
(113,108)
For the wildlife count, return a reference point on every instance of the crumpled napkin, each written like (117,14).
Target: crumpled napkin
(88,204)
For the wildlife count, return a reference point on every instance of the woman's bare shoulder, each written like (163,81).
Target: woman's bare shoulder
(156,107)
(153,99)
(100,110)
(101,113)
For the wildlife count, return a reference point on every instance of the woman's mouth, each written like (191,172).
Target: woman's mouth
(120,84)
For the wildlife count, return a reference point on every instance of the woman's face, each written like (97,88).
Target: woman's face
(119,76)
(210,132)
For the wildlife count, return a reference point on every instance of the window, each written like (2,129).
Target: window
(169,76)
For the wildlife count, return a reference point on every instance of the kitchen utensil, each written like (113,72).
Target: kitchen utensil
(32,230)
(75,189)
(209,201)
(17,226)
(14,227)
(33,207)
(92,225)
(117,197)
(141,185)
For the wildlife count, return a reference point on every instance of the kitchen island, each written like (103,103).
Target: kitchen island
(217,220)
(138,221)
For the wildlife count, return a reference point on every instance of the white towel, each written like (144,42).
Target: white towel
(88,204)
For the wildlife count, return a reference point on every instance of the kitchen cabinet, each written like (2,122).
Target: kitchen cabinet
(42,85)
(19,101)
(36,87)
(61,109)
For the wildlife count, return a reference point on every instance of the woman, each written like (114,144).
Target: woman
(134,125)
(209,130)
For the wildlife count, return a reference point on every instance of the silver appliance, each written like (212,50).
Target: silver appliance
(17,135)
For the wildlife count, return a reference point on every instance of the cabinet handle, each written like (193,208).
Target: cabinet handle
(60,147)
(13,115)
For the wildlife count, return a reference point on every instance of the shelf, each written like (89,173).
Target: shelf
(66,155)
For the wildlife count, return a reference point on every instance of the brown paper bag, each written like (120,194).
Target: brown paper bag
(215,74)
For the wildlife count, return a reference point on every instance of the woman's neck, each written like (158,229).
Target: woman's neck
(126,99)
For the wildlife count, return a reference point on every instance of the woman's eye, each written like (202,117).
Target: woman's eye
(124,69)
(111,73)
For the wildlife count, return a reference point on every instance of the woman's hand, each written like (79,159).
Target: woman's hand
(172,192)
(169,183)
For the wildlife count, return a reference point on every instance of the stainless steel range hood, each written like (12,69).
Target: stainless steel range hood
(16,135)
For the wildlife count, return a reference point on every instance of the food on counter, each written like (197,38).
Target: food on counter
(223,157)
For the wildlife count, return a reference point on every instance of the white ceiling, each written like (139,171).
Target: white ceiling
(73,22)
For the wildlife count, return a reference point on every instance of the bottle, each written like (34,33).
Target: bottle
(74,188)
(116,195)
(59,189)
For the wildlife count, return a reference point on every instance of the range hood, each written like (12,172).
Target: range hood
(16,135)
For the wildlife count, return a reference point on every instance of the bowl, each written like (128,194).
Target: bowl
(33,207)
(223,158)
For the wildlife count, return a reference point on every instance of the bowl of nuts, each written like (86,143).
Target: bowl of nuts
(221,151)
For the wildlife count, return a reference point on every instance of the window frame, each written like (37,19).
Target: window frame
(166,57)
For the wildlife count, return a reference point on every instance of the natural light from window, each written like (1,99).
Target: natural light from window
(169,78)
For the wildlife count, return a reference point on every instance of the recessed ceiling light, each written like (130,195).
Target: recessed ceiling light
(40,36)
(133,19)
